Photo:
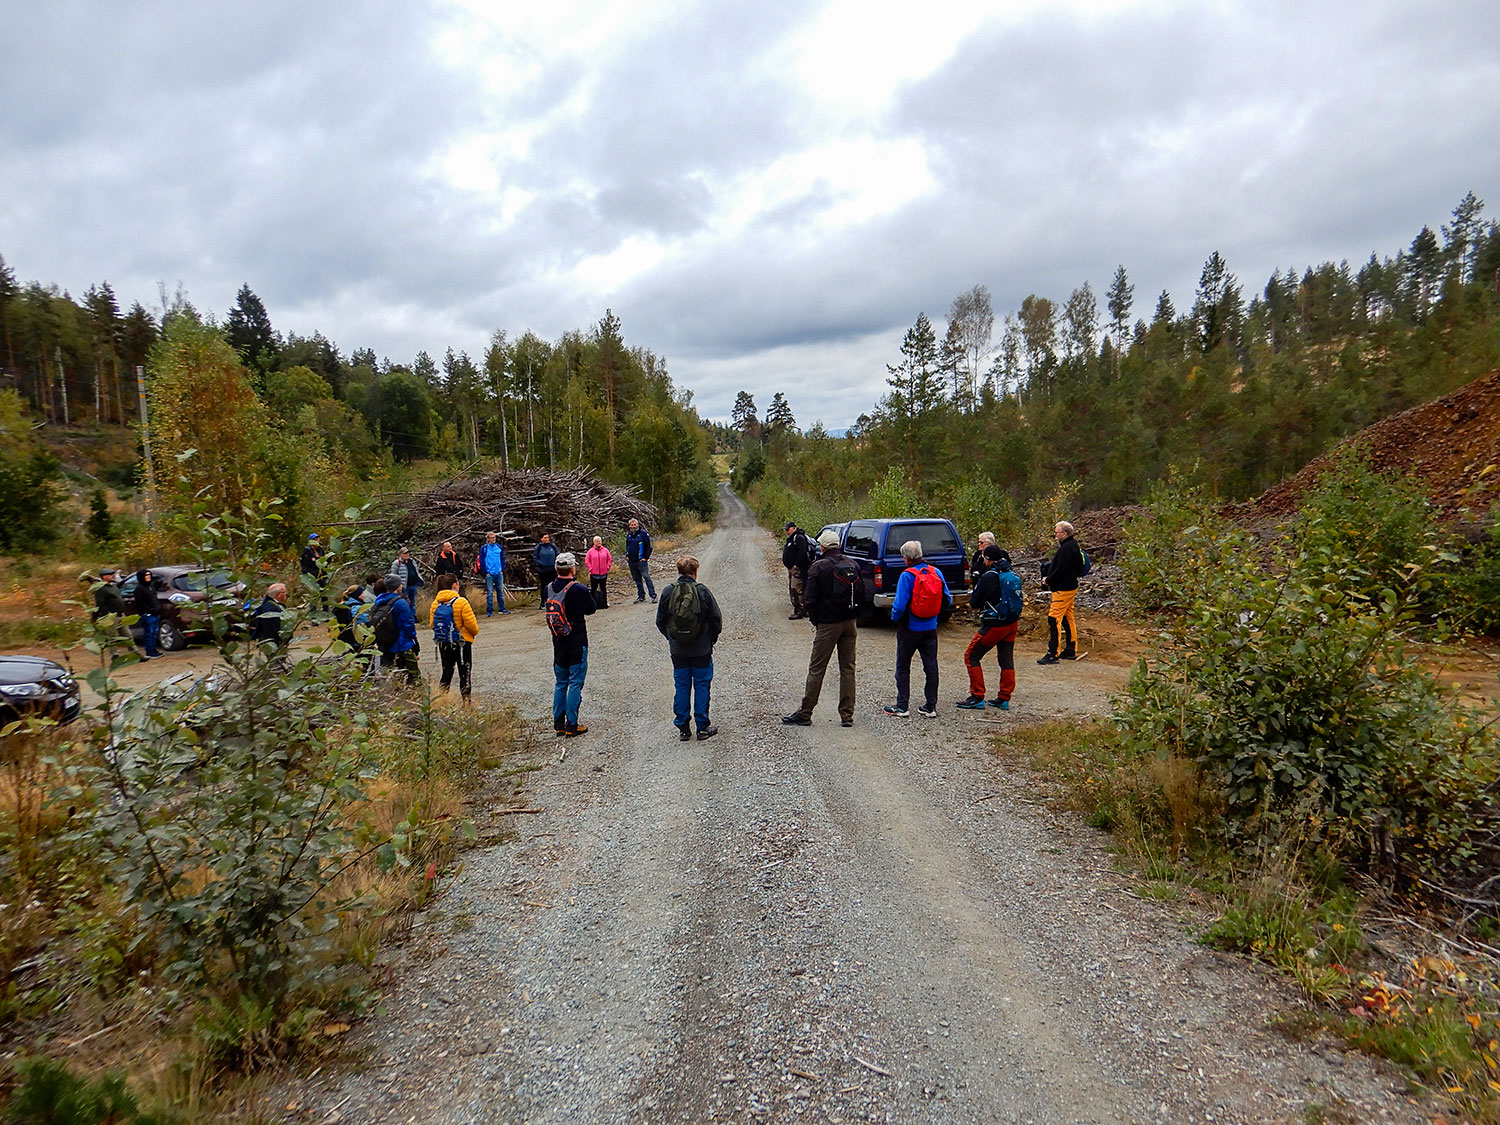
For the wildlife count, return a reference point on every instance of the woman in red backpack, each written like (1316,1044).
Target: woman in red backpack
(921,597)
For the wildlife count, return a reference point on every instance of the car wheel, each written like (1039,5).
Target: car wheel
(170,639)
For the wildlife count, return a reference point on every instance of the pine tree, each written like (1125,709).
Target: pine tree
(248,330)
(779,417)
(1119,299)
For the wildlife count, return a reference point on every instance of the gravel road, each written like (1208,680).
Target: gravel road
(812,924)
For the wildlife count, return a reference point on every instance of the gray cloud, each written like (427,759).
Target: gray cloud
(300,149)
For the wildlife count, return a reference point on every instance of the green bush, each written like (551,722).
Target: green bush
(50,1092)
(1177,538)
(1292,689)
(893,498)
(749,467)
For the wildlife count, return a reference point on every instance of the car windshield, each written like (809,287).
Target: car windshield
(936,538)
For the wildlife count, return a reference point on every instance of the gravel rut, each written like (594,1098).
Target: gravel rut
(808,924)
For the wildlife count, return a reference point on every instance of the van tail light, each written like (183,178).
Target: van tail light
(879,577)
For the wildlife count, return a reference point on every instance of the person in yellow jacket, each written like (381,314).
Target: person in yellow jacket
(454,628)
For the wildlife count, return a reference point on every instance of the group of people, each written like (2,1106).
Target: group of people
(830,594)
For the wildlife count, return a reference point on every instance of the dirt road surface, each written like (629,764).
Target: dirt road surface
(808,924)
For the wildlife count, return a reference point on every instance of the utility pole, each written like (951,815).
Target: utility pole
(62,381)
(140,394)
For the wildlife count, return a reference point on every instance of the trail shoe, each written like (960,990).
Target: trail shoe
(707,732)
(653,599)
(844,722)
(683,734)
(574,732)
(1049,659)
(1003,704)
(796,720)
(559,731)
(927,712)
(897,712)
(973,703)
(1067,654)
(638,601)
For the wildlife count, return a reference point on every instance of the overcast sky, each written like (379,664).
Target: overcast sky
(766,194)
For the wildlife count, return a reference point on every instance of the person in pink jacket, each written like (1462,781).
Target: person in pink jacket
(599,560)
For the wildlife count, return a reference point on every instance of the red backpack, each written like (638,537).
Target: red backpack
(557,614)
(926,591)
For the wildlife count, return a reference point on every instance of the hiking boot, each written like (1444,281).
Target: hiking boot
(846,722)
(796,720)
(1003,704)
(683,734)
(897,712)
(574,732)
(1067,654)
(559,731)
(973,703)
(1049,659)
(707,732)
(927,712)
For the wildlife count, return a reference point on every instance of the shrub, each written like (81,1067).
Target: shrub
(1176,539)
(49,1091)
(893,498)
(1293,691)
(100,523)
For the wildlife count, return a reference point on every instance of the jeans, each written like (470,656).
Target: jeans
(458,654)
(410,594)
(692,684)
(568,692)
(908,642)
(150,631)
(494,591)
(640,570)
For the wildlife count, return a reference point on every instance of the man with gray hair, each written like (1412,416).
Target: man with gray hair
(921,598)
(568,604)
(1061,576)
(265,625)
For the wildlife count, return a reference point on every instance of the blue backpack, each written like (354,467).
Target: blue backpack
(1008,610)
(444,628)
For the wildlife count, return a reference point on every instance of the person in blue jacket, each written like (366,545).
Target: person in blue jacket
(544,558)
(917,633)
(403,652)
(637,554)
(490,562)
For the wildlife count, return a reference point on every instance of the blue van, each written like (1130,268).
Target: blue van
(875,545)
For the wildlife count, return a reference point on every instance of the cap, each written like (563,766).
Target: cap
(789,524)
(311,537)
(993,553)
(103,570)
(829,538)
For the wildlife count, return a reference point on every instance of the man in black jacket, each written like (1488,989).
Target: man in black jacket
(570,652)
(1061,577)
(689,617)
(834,595)
(148,608)
(796,554)
(265,625)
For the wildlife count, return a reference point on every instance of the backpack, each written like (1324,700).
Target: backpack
(795,552)
(685,614)
(444,628)
(846,574)
(926,591)
(383,623)
(1088,563)
(1008,610)
(557,613)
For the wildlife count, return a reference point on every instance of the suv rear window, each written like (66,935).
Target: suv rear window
(936,538)
(860,540)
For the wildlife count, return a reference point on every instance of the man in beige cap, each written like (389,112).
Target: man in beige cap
(834,597)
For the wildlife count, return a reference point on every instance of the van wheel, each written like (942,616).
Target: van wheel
(170,639)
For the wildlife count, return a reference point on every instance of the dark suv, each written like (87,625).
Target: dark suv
(185,593)
(876,546)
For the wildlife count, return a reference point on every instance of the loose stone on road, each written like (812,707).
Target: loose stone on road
(820,923)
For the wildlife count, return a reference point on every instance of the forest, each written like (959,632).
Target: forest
(271,414)
(1101,402)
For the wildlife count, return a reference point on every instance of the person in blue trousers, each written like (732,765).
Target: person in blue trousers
(637,555)
(689,617)
(490,562)
(570,650)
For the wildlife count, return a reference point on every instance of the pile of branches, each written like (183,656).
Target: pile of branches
(520,506)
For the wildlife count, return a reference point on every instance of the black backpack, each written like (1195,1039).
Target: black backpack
(685,613)
(849,587)
(383,624)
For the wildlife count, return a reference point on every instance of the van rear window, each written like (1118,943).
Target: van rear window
(936,538)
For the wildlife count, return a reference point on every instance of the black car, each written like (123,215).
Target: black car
(32,685)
